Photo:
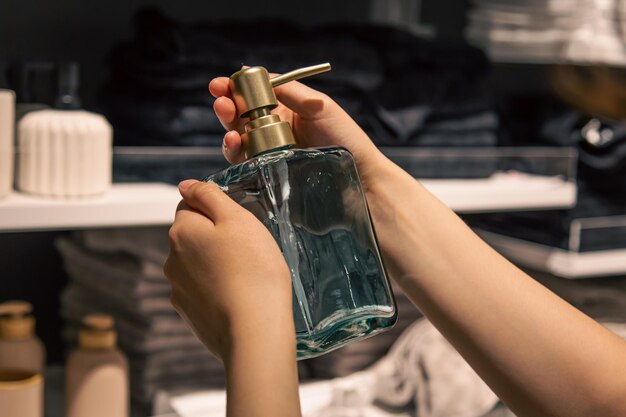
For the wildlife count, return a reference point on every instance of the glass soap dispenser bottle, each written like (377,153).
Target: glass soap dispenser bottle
(312,202)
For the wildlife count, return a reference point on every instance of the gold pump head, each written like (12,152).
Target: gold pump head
(97,332)
(16,320)
(253,92)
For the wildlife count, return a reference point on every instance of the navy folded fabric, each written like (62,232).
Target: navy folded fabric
(403,90)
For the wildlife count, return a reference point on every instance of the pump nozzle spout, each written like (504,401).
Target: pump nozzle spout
(300,73)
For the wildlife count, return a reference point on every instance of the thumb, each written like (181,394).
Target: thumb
(307,102)
(208,199)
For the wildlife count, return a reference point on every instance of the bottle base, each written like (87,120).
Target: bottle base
(310,345)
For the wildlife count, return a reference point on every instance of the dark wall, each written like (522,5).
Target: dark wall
(85,30)
(32,271)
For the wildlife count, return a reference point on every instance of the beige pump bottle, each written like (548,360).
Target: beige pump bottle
(20,349)
(97,372)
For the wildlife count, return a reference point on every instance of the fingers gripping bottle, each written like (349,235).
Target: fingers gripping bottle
(312,202)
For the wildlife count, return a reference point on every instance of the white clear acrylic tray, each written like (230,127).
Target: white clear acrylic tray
(560,262)
(471,180)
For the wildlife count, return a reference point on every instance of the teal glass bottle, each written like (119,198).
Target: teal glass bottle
(312,202)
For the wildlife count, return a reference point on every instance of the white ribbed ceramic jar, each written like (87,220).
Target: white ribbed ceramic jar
(64,153)
(7,127)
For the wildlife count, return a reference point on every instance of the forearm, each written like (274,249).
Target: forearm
(262,376)
(539,354)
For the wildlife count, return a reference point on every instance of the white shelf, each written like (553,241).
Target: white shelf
(557,261)
(124,205)
(149,204)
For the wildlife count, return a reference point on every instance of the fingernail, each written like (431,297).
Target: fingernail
(225,141)
(186,184)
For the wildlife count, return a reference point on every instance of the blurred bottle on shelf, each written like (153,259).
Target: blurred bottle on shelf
(97,372)
(7,127)
(20,349)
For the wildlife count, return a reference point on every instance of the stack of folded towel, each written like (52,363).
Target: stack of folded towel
(402,89)
(119,272)
(577,31)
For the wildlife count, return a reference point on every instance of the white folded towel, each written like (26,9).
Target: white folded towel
(422,367)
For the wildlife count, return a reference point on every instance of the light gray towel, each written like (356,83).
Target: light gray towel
(146,243)
(126,268)
(132,339)
(180,372)
(140,309)
(78,302)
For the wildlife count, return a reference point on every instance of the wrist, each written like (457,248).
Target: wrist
(395,200)
(385,183)
(262,337)
(261,369)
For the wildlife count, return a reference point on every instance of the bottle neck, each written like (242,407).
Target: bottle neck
(266,133)
(271,151)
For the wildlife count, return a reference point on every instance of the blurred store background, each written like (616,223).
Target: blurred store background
(512,112)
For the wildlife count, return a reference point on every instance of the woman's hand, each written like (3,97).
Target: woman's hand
(228,275)
(314,117)
(231,284)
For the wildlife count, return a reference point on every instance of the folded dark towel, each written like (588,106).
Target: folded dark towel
(386,78)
